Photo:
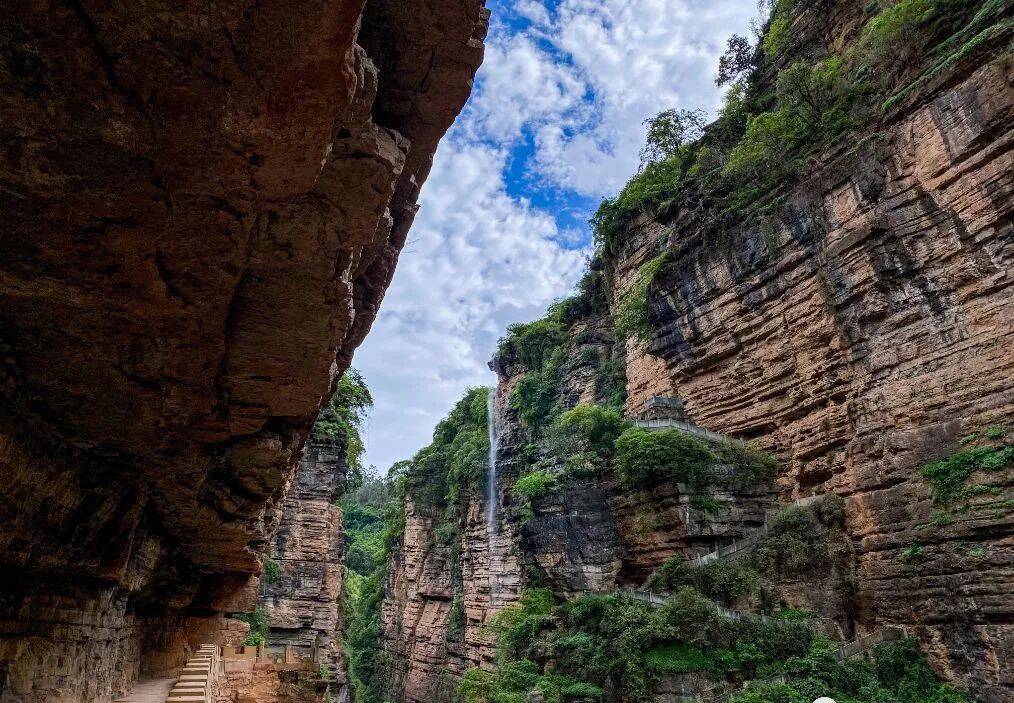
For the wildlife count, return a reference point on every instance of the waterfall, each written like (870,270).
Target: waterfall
(491,493)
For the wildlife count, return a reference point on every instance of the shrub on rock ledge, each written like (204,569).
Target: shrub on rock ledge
(644,458)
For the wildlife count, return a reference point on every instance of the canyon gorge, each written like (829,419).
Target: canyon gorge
(764,453)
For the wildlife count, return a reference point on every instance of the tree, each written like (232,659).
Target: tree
(342,416)
(737,60)
(669,131)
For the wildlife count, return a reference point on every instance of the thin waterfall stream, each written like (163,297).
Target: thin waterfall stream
(491,493)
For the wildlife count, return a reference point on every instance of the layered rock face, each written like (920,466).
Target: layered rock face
(203,208)
(587,536)
(439,595)
(861,332)
(300,593)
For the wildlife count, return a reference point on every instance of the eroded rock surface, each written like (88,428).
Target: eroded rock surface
(860,330)
(861,333)
(203,206)
(301,589)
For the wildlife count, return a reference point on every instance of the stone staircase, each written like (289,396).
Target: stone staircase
(197,678)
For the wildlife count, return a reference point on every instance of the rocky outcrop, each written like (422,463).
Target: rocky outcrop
(203,209)
(438,597)
(861,332)
(857,323)
(300,589)
(444,586)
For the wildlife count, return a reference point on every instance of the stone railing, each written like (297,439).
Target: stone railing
(868,642)
(243,659)
(738,547)
(197,678)
(660,598)
(682,425)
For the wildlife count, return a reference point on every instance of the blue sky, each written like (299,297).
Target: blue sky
(554,124)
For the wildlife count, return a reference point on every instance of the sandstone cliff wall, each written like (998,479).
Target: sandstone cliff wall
(203,208)
(861,337)
(300,593)
(587,535)
(859,328)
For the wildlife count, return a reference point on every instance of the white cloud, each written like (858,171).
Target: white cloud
(638,57)
(520,84)
(579,77)
(477,260)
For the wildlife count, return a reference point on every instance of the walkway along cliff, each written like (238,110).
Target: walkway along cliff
(843,304)
(203,206)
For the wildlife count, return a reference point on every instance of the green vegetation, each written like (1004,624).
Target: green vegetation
(802,540)
(272,574)
(545,351)
(799,542)
(769,130)
(361,636)
(258,623)
(373,520)
(630,319)
(370,527)
(534,485)
(645,458)
(536,396)
(529,488)
(777,37)
(596,639)
(794,614)
(439,480)
(898,674)
(707,504)
(969,26)
(914,552)
(753,466)
(611,380)
(572,651)
(532,343)
(342,417)
(441,473)
(591,430)
(512,682)
(949,476)
(720,581)
(996,432)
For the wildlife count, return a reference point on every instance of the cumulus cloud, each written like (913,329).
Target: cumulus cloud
(558,107)
(477,260)
(637,58)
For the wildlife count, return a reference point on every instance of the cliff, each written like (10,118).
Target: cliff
(300,588)
(203,209)
(862,341)
(844,305)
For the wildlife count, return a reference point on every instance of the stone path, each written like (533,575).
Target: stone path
(741,546)
(149,691)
